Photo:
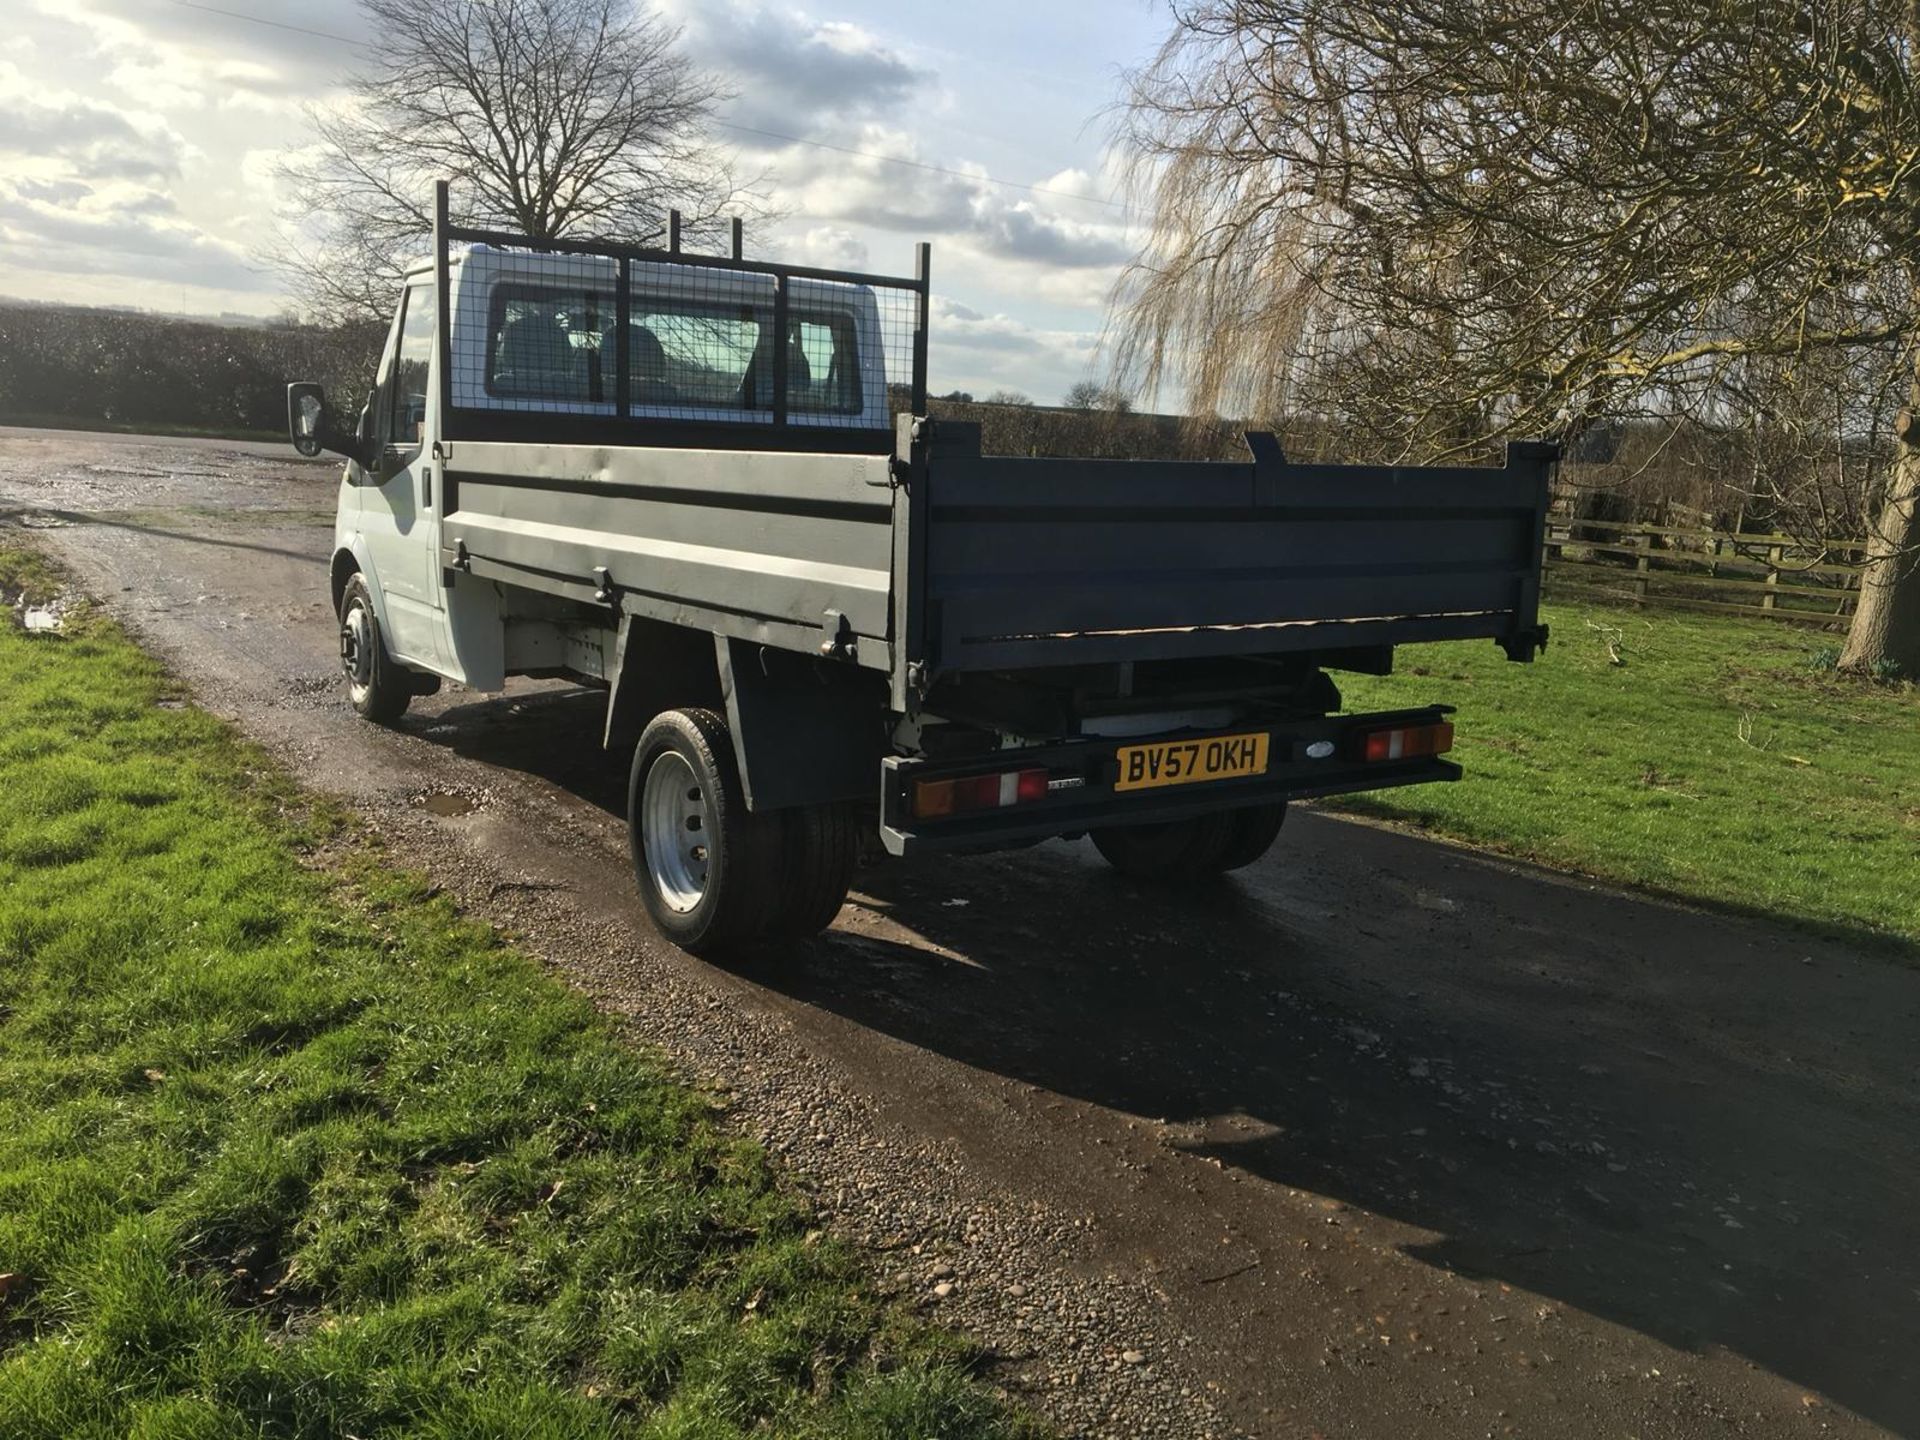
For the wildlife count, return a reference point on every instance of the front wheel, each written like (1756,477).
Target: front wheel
(708,867)
(378,688)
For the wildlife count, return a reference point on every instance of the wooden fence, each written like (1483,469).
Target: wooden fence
(1777,577)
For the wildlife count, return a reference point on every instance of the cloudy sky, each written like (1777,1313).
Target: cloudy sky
(138,140)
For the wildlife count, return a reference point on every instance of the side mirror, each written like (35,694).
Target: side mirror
(313,427)
(308,419)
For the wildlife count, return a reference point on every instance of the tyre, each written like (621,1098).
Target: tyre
(821,845)
(708,867)
(378,687)
(1172,851)
(1254,831)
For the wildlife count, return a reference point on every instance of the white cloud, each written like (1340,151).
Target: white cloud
(294,49)
(978,351)
(175,58)
(86,137)
(174,86)
(793,73)
(119,229)
(966,265)
(1024,231)
(965,328)
(890,185)
(867,187)
(832,248)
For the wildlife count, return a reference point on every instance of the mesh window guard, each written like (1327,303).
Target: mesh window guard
(586,342)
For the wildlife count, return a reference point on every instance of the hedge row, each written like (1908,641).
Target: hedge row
(1093,434)
(123,369)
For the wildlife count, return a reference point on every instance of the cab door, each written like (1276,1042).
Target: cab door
(399,519)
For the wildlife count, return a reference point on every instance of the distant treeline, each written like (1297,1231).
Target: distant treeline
(119,369)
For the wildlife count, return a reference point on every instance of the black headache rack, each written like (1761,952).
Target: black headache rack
(1306,759)
(615,395)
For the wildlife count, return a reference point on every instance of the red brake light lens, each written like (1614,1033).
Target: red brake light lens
(1407,742)
(935,799)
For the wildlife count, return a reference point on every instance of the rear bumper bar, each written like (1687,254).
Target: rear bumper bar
(1083,797)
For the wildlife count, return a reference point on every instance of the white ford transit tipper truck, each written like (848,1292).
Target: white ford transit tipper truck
(708,486)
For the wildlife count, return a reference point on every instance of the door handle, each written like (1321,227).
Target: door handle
(426,485)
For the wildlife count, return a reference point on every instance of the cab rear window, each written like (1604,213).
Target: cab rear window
(684,356)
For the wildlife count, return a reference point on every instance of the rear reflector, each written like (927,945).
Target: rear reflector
(1407,742)
(933,799)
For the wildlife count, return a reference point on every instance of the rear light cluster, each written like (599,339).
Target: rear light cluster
(1407,742)
(933,799)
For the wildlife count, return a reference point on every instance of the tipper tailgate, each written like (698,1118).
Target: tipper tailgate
(1021,563)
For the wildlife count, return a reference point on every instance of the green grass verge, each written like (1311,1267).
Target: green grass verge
(1714,762)
(291,1149)
(26,575)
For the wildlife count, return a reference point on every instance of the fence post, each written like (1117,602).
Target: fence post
(1775,554)
(1641,566)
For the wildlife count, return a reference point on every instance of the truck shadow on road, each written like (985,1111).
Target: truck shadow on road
(1698,1127)
(108,519)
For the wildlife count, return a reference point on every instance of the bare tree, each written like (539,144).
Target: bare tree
(1456,222)
(551,117)
(1089,395)
(1007,397)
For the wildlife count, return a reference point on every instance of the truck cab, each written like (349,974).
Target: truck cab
(539,338)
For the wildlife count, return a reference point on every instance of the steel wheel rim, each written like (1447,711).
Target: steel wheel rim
(674,831)
(356,649)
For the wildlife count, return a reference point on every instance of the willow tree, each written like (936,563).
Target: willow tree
(551,118)
(1466,219)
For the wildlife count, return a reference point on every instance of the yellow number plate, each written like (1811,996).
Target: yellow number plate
(1184,762)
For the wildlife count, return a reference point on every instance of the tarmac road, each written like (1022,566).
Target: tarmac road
(1384,1138)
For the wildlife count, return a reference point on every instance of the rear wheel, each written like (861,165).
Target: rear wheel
(378,687)
(1254,831)
(708,867)
(1173,850)
(822,842)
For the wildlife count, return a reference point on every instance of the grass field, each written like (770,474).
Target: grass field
(289,1149)
(1704,757)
